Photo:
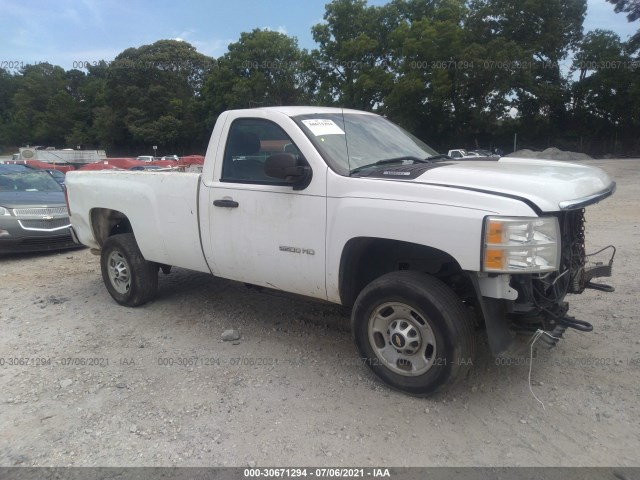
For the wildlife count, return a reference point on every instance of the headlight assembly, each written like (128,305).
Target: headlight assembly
(521,244)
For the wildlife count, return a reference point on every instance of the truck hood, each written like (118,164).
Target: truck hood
(548,185)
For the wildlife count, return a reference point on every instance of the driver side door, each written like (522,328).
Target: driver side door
(263,231)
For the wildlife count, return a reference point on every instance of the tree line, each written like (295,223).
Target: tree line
(456,73)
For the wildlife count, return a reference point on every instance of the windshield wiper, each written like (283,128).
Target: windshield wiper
(391,160)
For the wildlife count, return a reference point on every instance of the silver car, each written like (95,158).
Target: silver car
(33,212)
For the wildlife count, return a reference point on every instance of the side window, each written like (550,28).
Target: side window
(250,142)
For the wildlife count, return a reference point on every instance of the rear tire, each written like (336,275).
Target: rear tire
(413,332)
(129,278)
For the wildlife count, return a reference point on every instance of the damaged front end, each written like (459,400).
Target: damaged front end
(540,304)
(529,266)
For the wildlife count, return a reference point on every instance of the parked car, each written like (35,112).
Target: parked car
(146,158)
(33,213)
(170,157)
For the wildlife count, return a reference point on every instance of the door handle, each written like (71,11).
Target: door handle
(226,203)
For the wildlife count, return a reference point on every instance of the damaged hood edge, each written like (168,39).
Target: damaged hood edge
(549,185)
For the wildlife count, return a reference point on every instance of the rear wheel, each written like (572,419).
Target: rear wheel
(413,332)
(129,278)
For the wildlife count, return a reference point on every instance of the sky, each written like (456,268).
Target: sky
(69,32)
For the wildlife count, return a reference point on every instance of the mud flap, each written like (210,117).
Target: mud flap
(495,319)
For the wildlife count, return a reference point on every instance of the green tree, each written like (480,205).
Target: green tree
(152,95)
(42,108)
(542,34)
(351,60)
(606,96)
(632,9)
(427,51)
(441,89)
(8,86)
(89,92)
(263,68)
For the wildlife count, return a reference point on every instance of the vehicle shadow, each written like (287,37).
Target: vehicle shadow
(19,256)
(264,310)
(196,288)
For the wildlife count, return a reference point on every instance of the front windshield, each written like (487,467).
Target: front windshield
(351,141)
(28,181)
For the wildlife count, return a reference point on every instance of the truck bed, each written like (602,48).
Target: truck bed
(162,207)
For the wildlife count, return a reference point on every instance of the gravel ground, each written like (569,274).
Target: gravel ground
(157,385)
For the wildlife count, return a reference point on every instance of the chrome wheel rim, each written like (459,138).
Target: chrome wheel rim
(118,270)
(402,339)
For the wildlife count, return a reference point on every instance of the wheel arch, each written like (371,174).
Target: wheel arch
(364,259)
(106,222)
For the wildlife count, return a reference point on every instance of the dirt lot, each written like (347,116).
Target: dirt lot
(156,385)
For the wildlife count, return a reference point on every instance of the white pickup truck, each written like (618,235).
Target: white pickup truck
(346,207)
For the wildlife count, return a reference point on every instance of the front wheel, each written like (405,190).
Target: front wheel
(129,278)
(413,332)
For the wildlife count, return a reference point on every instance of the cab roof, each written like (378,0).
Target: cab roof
(292,111)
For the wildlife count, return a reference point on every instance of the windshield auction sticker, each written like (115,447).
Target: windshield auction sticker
(320,126)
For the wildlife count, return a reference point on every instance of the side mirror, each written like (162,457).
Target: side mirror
(286,166)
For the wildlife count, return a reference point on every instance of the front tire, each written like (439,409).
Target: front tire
(129,278)
(413,332)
